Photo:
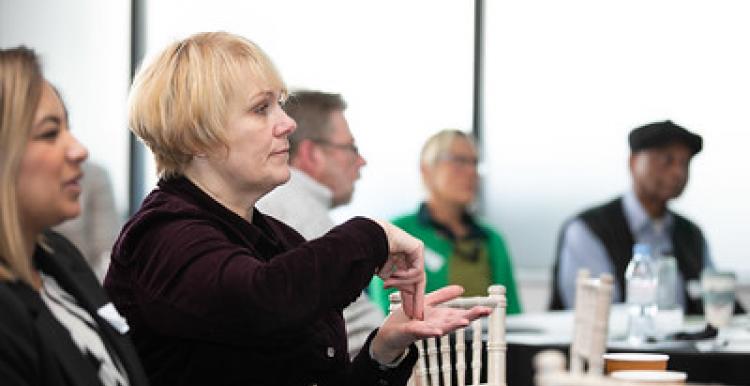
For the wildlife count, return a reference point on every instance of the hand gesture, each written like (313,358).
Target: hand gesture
(399,331)
(404,269)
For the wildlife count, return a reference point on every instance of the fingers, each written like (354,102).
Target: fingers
(404,269)
(434,327)
(402,279)
(411,284)
(478,312)
(445,320)
(443,295)
(407,303)
(400,266)
(419,299)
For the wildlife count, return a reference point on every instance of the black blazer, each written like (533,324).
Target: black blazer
(35,349)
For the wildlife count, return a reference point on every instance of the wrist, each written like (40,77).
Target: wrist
(384,355)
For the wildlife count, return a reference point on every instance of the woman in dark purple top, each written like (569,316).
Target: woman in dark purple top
(215,292)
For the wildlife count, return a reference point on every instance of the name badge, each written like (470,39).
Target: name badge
(109,313)
(432,261)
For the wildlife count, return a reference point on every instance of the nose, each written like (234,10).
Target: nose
(76,153)
(680,174)
(679,170)
(286,124)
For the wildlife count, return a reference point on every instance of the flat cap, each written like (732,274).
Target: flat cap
(659,134)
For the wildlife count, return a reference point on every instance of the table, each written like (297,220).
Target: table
(528,334)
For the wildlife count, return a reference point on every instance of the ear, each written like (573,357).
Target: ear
(426,172)
(632,162)
(307,157)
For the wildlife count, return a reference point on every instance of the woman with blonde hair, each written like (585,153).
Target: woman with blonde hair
(218,293)
(459,249)
(56,325)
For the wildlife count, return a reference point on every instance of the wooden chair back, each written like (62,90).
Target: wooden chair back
(592,304)
(435,365)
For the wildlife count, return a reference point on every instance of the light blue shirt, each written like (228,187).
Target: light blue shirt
(582,249)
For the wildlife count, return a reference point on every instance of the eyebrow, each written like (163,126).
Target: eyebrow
(261,95)
(49,119)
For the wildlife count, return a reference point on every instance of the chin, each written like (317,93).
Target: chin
(277,180)
(72,210)
(284,177)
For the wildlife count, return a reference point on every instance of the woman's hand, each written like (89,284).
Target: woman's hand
(399,331)
(404,269)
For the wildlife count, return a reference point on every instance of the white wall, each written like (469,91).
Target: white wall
(85,50)
(567,81)
(404,67)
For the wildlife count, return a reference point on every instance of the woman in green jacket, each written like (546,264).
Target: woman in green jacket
(458,249)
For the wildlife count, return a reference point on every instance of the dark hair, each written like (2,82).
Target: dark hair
(312,111)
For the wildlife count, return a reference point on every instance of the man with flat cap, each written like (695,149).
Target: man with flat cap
(601,239)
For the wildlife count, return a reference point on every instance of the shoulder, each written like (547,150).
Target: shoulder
(682,223)
(486,227)
(575,231)
(283,230)
(160,235)
(410,221)
(12,305)
(63,250)
(602,209)
(58,242)
(15,319)
(162,217)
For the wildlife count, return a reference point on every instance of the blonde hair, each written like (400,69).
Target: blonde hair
(178,103)
(439,144)
(21,84)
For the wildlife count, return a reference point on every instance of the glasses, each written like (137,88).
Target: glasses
(459,160)
(341,146)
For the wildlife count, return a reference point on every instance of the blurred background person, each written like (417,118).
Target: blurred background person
(215,291)
(56,325)
(95,230)
(601,238)
(458,248)
(325,164)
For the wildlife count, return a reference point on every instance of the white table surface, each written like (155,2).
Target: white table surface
(556,328)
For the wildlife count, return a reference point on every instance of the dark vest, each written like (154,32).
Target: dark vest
(608,223)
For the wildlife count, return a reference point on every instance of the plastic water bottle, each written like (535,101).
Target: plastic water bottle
(641,278)
(670,315)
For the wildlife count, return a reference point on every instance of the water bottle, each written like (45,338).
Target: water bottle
(670,315)
(641,278)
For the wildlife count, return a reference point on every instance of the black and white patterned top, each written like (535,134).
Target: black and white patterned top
(84,332)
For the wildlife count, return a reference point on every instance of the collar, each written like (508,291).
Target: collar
(302,181)
(637,218)
(256,233)
(425,218)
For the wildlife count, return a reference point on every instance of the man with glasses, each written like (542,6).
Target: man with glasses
(325,164)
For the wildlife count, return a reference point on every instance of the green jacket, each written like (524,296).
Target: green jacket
(501,268)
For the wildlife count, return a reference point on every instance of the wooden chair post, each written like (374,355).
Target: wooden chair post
(496,344)
(436,363)
(592,304)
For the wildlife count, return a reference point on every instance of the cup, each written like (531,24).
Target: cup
(651,376)
(718,296)
(635,361)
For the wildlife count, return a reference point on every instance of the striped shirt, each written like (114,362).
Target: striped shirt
(83,331)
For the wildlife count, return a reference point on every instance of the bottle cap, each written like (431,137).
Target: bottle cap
(641,249)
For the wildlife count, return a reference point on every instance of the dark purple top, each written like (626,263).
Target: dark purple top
(214,300)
